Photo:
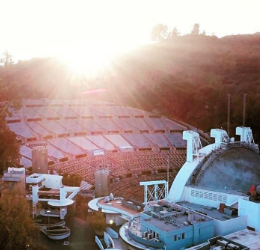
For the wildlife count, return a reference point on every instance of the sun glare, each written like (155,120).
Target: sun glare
(92,57)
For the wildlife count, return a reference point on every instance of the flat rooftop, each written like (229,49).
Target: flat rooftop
(117,203)
(167,226)
(247,238)
(167,220)
(208,211)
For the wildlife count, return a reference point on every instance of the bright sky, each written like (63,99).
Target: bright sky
(34,28)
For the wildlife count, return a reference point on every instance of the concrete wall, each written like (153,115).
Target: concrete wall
(230,226)
(209,198)
(252,211)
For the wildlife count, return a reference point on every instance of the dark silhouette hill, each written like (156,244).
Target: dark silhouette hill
(186,78)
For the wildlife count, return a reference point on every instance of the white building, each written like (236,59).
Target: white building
(49,189)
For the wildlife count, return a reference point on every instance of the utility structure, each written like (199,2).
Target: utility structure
(244,109)
(154,190)
(228,114)
(193,144)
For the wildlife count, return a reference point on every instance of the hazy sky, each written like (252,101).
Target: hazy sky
(34,28)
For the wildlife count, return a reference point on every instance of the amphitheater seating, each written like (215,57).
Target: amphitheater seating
(83,112)
(120,112)
(156,124)
(123,165)
(73,127)
(117,140)
(54,127)
(37,128)
(26,152)
(158,140)
(65,112)
(101,142)
(67,146)
(138,123)
(136,112)
(22,130)
(139,141)
(83,143)
(75,102)
(91,126)
(55,153)
(107,125)
(124,126)
(176,140)
(31,115)
(101,129)
(24,162)
(47,112)
(172,126)
(55,103)
(100,113)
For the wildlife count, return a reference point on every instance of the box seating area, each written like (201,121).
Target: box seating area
(47,113)
(124,126)
(101,142)
(54,153)
(90,126)
(108,125)
(120,112)
(136,112)
(172,126)
(30,114)
(65,112)
(67,146)
(54,127)
(22,130)
(138,123)
(176,140)
(117,140)
(82,142)
(72,126)
(24,162)
(37,128)
(159,140)
(26,152)
(83,112)
(156,124)
(101,113)
(139,141)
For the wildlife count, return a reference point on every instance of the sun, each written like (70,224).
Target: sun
(92,57)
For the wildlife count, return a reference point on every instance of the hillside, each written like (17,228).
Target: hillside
(187,78)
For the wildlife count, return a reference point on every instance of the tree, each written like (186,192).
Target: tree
(196,29)
(175,33)
(7,59)
(73,180)
(9,149)
(99,222)
(17,228)
(159,32)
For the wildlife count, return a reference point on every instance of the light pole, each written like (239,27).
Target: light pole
(168,166)
(48,211)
